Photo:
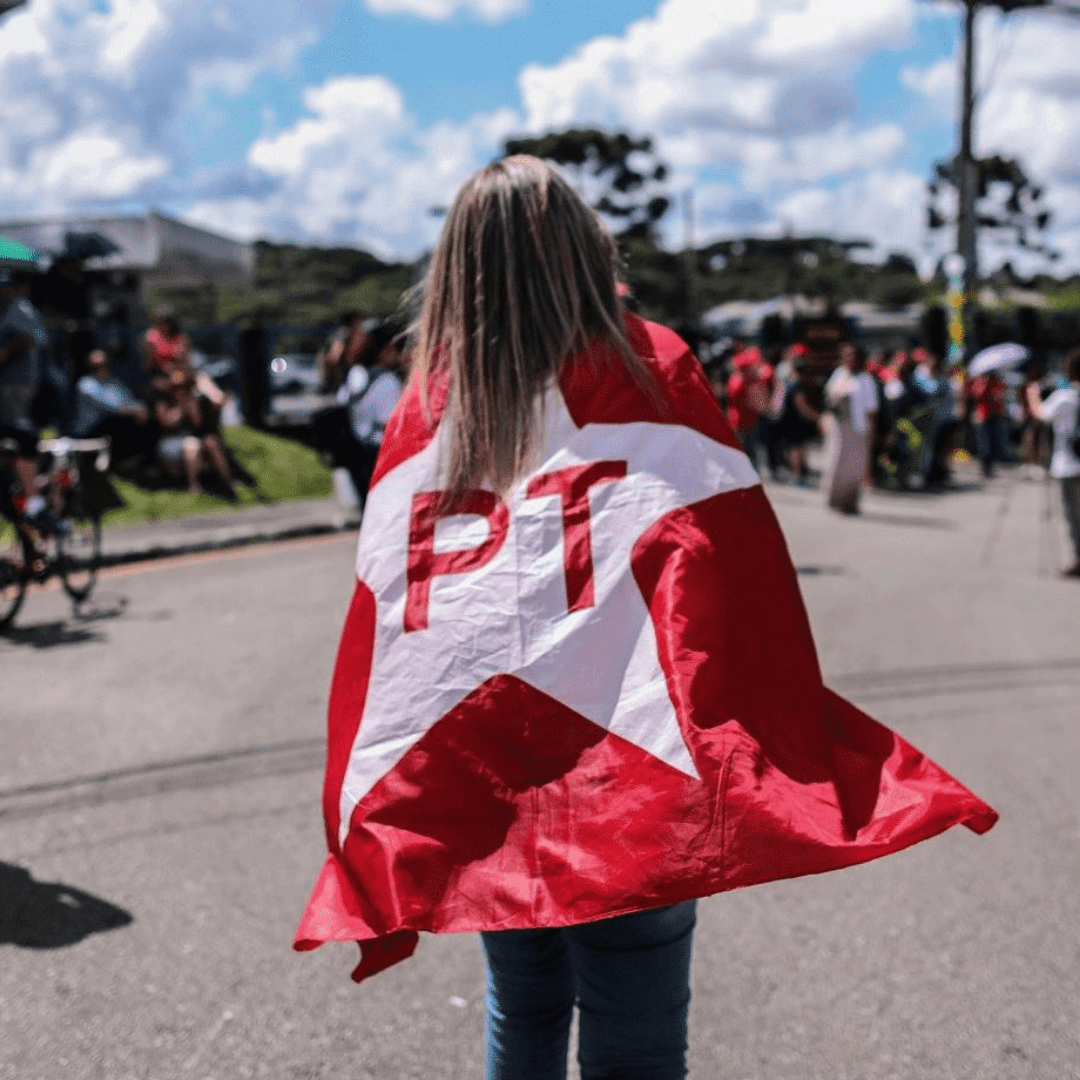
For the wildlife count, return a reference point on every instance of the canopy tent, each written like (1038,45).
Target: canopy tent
(16,256)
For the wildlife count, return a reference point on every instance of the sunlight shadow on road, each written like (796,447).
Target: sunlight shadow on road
(50,635)
(48,915)
(74,631)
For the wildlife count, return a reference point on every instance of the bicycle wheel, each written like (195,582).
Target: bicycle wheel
(12,579)
(78,554)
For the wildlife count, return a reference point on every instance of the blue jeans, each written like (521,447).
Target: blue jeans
(750,441)
(630,978)
(992,443)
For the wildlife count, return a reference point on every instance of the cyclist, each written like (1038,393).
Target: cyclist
(23,338)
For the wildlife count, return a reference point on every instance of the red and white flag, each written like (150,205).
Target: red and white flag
(597,695)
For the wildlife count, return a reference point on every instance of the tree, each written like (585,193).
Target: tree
(1006,201)
(618,174)
(622,179)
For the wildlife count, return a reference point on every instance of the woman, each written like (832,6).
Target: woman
(800,421)
(1061,410)
(342,351)
(749,392)
(184,445)
(851,399)
(165,345)
(1035,446)
(987,397)
(555,715)
(371,389)
(933,381)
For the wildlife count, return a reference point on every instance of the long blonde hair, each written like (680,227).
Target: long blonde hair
(523,278)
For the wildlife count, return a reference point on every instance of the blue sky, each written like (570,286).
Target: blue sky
(344,121)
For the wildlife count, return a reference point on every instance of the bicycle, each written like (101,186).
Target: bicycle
(65,540)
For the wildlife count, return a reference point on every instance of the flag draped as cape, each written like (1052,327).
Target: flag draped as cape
(596,695)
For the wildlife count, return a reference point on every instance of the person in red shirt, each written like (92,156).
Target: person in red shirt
(165,345)
(985,395)
(749,394)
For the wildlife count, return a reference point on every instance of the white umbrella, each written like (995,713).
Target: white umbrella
(998,357)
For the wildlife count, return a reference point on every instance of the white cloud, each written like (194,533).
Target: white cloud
(939,84)
(886,206)
(1028,108)
(131,29)
(367,110)
(1031,105)
(769,163)
(440,10)
(754,66)
(762,90)
(359,169)
(1031,110)
(93,165)
(101,100)
(717,84)
(98,97)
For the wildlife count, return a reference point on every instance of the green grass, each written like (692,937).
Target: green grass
(285,470)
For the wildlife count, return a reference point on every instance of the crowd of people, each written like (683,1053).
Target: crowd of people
(175,424)
(888,420)
(164,422)
(165,428)
(898,420)
(893,421)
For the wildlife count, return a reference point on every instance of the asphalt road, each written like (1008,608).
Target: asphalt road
(159,821)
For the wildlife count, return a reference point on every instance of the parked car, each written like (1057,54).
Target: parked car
(295,393)
(292,373)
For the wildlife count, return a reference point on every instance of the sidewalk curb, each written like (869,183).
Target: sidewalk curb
(222,538)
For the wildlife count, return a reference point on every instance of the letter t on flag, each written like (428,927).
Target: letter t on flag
(572,485)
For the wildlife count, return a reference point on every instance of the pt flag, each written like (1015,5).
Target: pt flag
(595,695)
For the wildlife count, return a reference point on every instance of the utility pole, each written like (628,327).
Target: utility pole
(967,169)
(967,179)
(690,257)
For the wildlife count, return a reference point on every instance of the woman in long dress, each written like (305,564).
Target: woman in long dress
(849,429)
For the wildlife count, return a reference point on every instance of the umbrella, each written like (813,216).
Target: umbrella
(997,357)
(87,245)
(16,256)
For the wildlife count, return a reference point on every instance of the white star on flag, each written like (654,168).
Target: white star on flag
(511,615)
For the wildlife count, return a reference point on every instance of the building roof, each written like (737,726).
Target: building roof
(161,248)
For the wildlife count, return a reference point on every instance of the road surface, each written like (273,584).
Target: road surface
(159,821)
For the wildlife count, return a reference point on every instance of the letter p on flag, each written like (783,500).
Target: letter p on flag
(428,509)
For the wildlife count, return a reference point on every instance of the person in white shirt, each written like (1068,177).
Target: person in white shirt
(369,409)
(1060,411)
(851,401)
(105,406)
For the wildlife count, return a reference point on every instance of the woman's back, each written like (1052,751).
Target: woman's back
(555,700)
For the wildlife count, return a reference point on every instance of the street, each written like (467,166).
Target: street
(159,817)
